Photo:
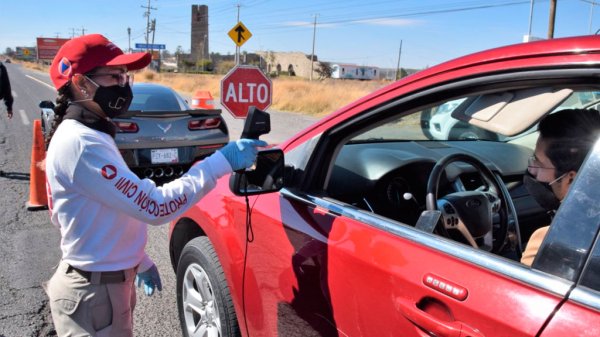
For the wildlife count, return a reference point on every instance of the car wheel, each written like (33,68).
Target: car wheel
(203,297)
(468,132)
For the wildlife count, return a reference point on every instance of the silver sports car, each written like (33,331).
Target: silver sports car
(160,136)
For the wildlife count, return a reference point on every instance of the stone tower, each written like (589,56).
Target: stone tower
(199,32)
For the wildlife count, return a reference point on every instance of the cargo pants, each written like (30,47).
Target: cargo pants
(91,304)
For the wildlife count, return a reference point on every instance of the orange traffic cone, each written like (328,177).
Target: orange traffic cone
(202,100)
(37,177)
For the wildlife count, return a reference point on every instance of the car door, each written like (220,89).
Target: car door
(333,271)
(323,267)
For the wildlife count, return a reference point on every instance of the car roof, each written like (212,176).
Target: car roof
(150,88)
(535,49)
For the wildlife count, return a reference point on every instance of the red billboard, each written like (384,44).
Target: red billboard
(47,47)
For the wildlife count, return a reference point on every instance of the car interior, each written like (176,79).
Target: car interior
(391,162)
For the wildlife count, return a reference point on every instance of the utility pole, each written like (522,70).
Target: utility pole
(129,37)
(552,18)
(152,49)
(153,31)
(530,21)
(72,32)
(147,15)
(398,72)
(82,31)
(312,55)
(592,5)
(204,53)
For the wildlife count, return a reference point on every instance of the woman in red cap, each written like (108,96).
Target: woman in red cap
(100,206)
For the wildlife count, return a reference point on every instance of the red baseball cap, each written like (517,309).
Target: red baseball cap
(84,53)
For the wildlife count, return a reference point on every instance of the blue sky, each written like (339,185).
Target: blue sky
(348,31)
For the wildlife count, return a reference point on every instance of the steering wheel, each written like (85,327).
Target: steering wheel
(471,213)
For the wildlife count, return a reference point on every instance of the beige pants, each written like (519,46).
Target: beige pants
(83,308)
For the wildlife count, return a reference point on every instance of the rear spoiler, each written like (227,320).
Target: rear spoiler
(192,112)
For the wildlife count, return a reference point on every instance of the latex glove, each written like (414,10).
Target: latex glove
(242,153)
(151,280)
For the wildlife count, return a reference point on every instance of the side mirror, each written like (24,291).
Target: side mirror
(265,177)
(46,105)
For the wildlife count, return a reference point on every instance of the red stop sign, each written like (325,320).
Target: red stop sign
(245,86)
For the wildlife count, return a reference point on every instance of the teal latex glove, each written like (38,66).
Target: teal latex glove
(242,153)
(151,280)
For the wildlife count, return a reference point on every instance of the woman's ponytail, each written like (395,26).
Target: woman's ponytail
(62,102)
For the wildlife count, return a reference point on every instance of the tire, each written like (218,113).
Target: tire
(210,311)
(468,132)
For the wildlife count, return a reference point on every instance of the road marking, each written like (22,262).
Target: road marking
(42,82)
(24,117)
(14,94)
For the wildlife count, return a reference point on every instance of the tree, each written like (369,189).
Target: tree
(8,51)
(324,70)
(204,65)
(178,52)
(223,67)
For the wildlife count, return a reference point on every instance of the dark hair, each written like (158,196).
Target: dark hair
(570,134)
(62,102)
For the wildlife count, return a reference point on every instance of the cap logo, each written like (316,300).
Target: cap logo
(111,46)
(64,67)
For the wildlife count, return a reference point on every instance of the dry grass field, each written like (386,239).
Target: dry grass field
(289,93)
(292,94)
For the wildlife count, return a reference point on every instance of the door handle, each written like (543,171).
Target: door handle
(434,325)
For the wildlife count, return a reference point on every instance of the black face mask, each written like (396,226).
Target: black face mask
(114,100)
(541,192)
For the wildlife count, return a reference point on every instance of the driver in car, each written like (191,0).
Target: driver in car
(565,138)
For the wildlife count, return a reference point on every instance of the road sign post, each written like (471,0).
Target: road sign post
(243,87)
(239,34)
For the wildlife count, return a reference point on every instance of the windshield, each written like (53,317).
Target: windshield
(155,98)
(437,123)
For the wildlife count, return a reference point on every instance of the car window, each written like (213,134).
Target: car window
(581,100)
(433,123)
(591,275)
(437,123)
(154,100)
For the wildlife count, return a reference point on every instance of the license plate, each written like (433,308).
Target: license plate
(161,156)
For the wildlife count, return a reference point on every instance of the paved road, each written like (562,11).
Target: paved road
(29,243)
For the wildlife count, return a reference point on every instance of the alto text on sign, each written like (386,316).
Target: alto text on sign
(243,87)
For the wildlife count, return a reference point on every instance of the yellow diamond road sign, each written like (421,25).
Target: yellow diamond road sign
(239,34)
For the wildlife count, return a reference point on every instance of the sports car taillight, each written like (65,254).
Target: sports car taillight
(203,124)
(127,127)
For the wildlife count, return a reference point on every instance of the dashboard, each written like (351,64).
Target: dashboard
(390,178)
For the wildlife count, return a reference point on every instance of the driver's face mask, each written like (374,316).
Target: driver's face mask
(542,192)
(113,100)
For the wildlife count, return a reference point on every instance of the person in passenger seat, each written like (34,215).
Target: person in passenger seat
(565,138)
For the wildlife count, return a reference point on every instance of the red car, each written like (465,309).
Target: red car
(355,234)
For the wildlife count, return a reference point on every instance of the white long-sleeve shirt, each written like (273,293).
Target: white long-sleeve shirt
(102,208)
